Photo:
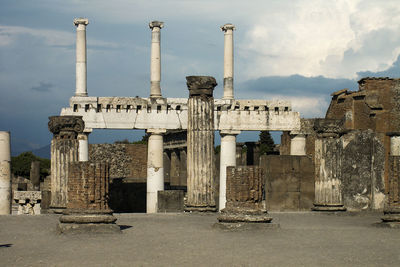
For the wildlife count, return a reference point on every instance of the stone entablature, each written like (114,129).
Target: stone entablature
(171,113)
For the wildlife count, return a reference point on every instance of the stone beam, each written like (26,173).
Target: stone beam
(172,113)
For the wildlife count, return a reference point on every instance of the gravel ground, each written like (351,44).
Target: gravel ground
(303,239)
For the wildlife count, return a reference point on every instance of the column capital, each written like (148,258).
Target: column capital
(83,21)
(229,132)
(66,127)
(200,85)
(228,26)
(155,23)
(156,131)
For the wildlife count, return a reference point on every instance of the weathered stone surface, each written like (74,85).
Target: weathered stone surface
(28,202)
(200,140)
(171,201)
(245,202)
(66,127)
(289,182)
(201,85)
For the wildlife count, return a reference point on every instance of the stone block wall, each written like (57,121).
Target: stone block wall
(88,186)
(289,182)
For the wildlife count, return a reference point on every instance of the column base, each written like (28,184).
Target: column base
(87,221)
(56,209)
(328,207)
(200,208)
(391,217)
(231,221)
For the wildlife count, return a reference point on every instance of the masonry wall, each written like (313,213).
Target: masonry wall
(289,182)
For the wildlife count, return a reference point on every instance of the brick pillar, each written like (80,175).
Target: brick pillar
(64,150)
(200,144)
(88,196)
(245,196)
(328,166)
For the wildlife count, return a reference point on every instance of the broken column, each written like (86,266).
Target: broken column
(297,144)
(34,175)
(227,158)
(81,72)
(5,173)
(228,60)
(88,196)
(391,209)
(200,144)
(155,63)
(64,150)
(328,156)
(155,168)
(245,198)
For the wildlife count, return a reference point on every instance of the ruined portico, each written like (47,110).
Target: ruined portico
(157,115)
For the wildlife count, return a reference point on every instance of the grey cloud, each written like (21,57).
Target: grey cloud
(43,87)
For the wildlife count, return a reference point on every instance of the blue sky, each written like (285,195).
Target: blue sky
(295,50)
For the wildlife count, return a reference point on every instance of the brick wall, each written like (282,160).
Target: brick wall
(88,186)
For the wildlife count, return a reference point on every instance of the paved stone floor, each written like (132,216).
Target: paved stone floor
(303,239)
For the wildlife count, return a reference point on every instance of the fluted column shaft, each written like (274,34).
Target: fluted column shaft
(200,144)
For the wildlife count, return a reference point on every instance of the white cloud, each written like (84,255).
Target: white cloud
(329,38)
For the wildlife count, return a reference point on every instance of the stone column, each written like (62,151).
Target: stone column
(391,209)
(328,166)
(297,145)
(200,144)
(81,89)
(83,146)
(5,173)
(155,63)
(227,158)
(155,168)
(228,60)
(34,175)
(64,150)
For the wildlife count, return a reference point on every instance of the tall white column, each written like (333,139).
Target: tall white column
(5,173)
(81,83)
(228,60)
(227,158)
(155,168)
(83,140)
(297,145)
(155,64)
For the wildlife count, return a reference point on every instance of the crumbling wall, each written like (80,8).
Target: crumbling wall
(126,160)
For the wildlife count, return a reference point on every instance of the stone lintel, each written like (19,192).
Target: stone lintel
(228,26)
(78,21)
(229,132)
(156,23)
(201,85)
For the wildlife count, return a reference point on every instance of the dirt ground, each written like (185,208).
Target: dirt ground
(303,239)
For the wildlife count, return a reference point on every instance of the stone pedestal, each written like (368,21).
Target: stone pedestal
(328,192)
(64,150)
(87,207)
(200,144)
(5,173)
(28,202)
(245,198)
